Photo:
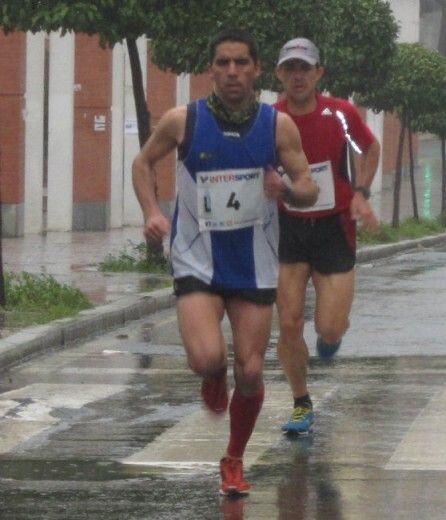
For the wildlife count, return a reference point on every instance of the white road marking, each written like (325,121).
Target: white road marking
(423,448)
(27,411)
(199,439)
(13,433)
(6,406)
(63,395)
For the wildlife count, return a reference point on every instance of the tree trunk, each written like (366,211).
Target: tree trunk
(142,112)
(412,171)
(142,116)
(443,178)
(398,174)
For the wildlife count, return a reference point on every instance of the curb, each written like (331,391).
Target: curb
(88,323)
(101,319)
(368,253)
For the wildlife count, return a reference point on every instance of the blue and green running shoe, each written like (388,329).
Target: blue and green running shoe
(300,421)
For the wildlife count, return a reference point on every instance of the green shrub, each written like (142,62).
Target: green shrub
(140,259)
(41,298)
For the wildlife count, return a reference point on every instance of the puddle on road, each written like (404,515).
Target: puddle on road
(27,470)
(60,470)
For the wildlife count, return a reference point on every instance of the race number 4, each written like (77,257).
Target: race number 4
(230,199)
(233,202)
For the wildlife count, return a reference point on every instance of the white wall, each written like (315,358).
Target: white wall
(376,124)
(117,138)
(183,89)
(407,14)
(60,133)
(268,96)
(33,116)
(431,26)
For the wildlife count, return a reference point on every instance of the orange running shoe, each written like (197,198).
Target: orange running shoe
(215,393)
(232,481)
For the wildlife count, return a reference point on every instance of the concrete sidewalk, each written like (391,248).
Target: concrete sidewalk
(73,258)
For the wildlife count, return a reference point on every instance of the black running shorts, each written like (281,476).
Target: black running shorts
(328,244)
(190,284)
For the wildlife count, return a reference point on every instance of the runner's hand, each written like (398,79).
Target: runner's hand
(363,213)
(273,183)
(156,227)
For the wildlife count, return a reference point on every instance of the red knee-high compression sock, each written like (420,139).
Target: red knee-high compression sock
(243,413)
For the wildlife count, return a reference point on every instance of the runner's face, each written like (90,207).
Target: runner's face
(234,73)
(299,80)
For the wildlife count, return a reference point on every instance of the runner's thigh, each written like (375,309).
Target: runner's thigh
(251,328)
(334,298)
(199,320)
(293,280)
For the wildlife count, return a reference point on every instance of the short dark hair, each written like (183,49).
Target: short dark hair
(234,35)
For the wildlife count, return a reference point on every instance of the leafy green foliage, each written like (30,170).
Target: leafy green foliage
(139,259)
(42,297)
(358,45)
(433,123)
(356,37)
(112,20)
(271,23)
(415,85)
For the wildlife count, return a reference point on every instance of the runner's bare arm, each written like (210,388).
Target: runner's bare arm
(368,165)
(166,136)
(360,208)
(303,191)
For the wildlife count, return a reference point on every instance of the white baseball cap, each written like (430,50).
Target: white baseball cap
(299,49)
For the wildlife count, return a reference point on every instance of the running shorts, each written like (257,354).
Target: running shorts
(190,284)
(328,243)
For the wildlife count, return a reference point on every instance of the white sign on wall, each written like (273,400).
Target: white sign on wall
(131,127)
(99,123)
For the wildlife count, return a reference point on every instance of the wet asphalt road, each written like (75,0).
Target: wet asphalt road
(113,428)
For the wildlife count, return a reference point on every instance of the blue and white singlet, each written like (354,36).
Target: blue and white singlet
(224,228)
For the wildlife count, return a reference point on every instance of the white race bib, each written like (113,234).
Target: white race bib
(230,199)
(322,174)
